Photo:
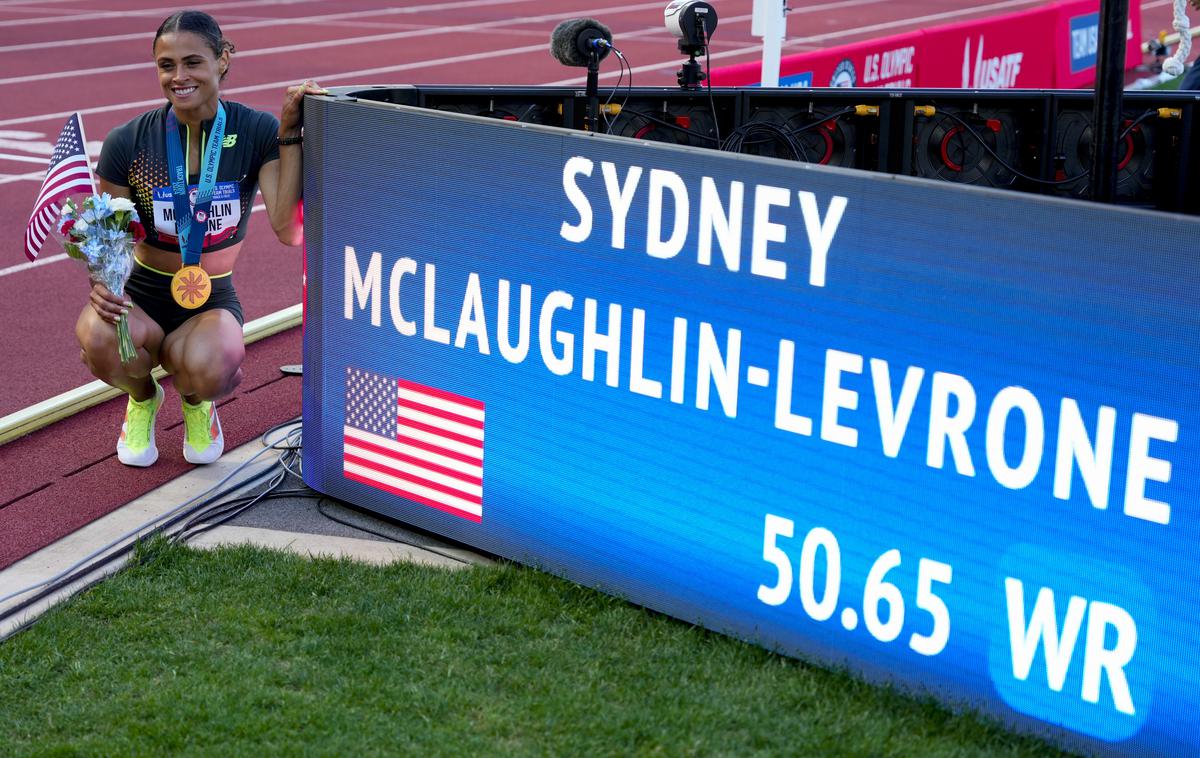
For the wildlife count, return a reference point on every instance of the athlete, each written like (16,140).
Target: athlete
(191,168)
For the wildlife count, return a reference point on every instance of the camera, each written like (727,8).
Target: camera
(693,22)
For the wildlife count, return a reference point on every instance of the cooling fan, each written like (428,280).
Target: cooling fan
(967,147)
(1073,157)
(813,135)
(669,123)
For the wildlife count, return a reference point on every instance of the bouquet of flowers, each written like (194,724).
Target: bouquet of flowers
(102,231)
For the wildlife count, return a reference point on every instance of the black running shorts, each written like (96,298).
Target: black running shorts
(150,290)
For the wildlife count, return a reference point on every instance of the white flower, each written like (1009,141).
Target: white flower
(121,204)
(80,227)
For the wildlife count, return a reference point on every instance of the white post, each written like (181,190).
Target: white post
(770,22)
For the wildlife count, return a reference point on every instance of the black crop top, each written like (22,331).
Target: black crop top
(135,156)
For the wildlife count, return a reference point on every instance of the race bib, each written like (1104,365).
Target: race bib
(223,216)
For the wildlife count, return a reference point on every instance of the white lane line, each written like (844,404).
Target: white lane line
(329,78)
(237,6)
(482,26)
(5,3)
(24,158)
(326,18)
(63,256)
(33,264)
(36,176)
(155,12)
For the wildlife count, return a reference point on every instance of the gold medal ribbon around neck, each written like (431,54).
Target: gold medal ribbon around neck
(191,285)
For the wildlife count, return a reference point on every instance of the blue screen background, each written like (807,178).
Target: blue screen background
(665,503)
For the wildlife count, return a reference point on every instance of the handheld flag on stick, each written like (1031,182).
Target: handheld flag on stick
(68,174)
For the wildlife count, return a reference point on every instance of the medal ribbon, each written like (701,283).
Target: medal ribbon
(191,223)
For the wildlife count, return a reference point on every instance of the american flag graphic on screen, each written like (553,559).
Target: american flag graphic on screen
(417,442)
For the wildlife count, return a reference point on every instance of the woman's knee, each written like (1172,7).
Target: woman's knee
(97,345)
(214,371)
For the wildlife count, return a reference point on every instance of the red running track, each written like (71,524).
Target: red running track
(58,56)
(64,477)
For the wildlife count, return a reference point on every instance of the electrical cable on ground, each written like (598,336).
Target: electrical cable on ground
(127,542)
(154,525)
(98,559)
(204,512)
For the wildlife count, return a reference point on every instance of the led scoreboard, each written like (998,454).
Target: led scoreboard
(944,435)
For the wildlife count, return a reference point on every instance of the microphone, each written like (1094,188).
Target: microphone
(575,40)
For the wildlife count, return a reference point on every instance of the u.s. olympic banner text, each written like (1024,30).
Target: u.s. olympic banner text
(1050,46)
(948,436)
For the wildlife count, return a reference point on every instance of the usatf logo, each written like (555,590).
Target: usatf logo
(229,141)
(201,217)
(844,75)
(1085,41)
(997,72)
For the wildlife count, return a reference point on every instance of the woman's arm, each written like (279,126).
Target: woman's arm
(282,181)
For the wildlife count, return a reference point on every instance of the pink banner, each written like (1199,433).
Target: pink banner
(1053,46)
(1002,52)
(885,62)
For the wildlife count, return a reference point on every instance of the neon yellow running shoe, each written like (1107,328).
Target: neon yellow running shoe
(203,440)
(135,446)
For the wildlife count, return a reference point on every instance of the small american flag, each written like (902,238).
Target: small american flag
(69,173)
(417,442)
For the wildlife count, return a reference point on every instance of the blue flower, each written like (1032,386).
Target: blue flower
(97,208)
(112,237)
(93,250)
(103,204)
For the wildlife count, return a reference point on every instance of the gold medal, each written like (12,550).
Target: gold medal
(190,286)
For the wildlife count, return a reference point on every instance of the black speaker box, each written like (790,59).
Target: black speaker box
(827,127)
(987,140)
(676,117)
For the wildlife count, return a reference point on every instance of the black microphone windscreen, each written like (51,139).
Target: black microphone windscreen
(569,40)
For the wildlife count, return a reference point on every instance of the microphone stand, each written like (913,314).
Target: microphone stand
(592,122)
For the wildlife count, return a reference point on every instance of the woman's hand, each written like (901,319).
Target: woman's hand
(109,306)
(293,106)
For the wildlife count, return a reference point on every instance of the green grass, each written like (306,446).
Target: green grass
(1169,84)
(249,652)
